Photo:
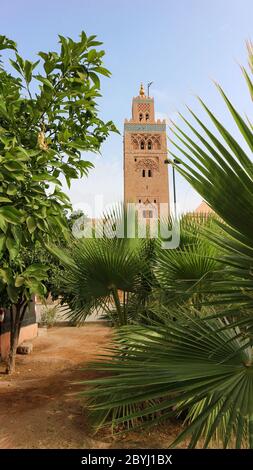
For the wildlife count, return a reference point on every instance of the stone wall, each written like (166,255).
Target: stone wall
(26,333)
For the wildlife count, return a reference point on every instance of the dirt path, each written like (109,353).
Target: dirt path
(37,405)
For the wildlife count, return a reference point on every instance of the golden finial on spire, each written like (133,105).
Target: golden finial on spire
(142,91)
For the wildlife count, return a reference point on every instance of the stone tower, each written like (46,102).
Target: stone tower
(145,149)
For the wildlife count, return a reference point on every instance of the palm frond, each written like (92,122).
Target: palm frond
(191,365)
(221,170)
(104,273)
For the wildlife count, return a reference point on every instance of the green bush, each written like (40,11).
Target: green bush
(48,317)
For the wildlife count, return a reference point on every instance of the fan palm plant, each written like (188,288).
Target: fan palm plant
(221,171)
(180,272)
(201,365)
(190,365)
(107,274)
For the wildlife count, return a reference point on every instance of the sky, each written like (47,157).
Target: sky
(180,45)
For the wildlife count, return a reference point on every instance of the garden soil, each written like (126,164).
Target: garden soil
(39,407)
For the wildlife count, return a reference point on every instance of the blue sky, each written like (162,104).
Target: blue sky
(181,45)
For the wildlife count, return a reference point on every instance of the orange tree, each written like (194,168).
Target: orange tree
(47,118)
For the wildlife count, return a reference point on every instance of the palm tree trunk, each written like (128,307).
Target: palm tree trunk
(124,307)
(115,295)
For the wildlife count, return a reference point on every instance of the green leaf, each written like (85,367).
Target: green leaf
(13,293)
(18,176)
(3,224)
(46,177)
(10,214)
(16,66)
(3,110)
(34,65)
(91,55)
(102,70)
(6,43)
(28,68)
(245,130)
(12,189)
(2,241)
(45,81)
(36,288)
(17,232)
(41,225)
(12,247)
(20,61)
(35,270)
(13,165)
(94,77)
(6,275)
(4,199)
(19,281)
(249,81)
(31,224)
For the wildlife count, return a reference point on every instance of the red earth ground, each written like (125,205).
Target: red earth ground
(38,405)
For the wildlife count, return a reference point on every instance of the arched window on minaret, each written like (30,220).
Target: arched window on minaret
(147,117)
(135,144)
(149,173)
(140,117)
(157,144)
(149,145)
(143,173)
(142,145)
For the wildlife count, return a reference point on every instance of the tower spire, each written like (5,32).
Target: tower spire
(142,91)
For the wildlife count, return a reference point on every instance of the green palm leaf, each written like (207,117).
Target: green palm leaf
(103,274)
(179,271)
(190,365)
(221,170)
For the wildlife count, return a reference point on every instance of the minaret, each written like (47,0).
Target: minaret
(145,149)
